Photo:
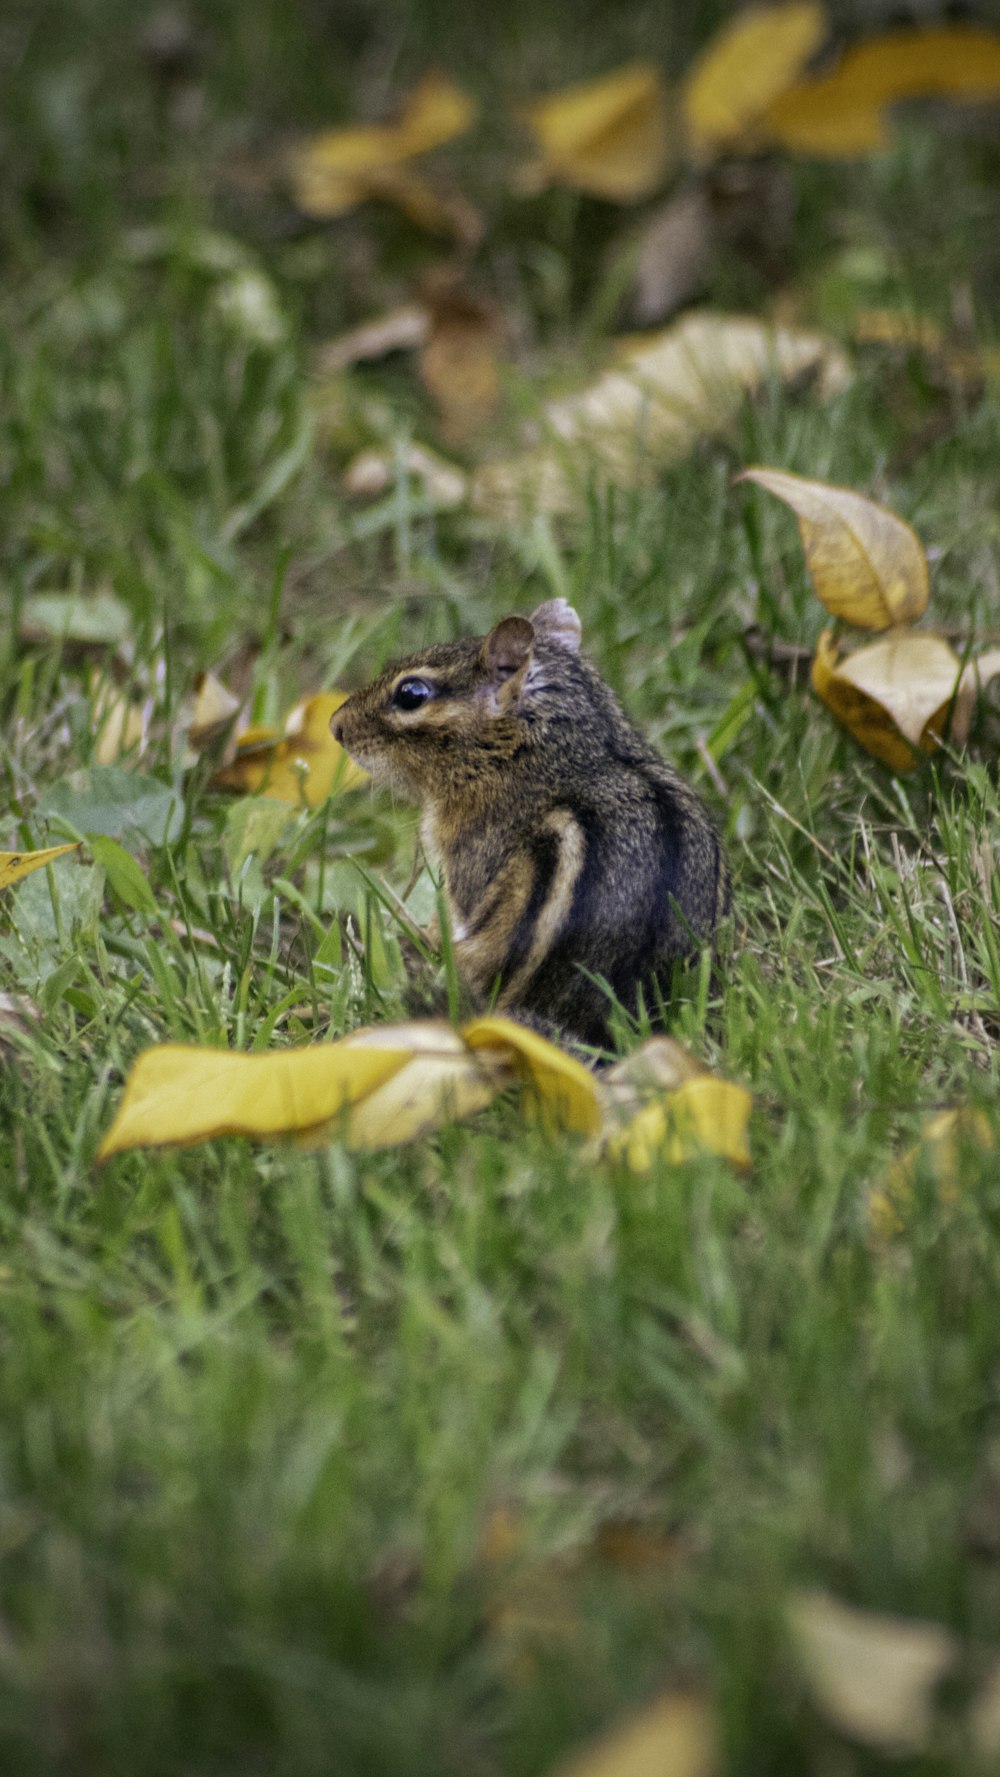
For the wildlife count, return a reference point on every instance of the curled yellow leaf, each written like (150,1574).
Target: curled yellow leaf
(301,767)
(441,1081)
(566,1091)
(745,67)
(177,1094)
(866,565)
(15,864)
(843,113)
(608,136)
(894,696)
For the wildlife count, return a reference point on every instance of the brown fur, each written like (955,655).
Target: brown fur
(569,847)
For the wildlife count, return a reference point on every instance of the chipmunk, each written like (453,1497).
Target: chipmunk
(570,849)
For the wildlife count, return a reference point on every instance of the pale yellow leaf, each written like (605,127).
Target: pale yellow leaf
(178,1094)
(443,1080)
(333,172)
(745,67)
(894,696)
(213,707)
(399,330)
(15,864)
(942,1140)
(608,136)
(844,113)
(373,472)
(674,1737)
(664,394)
(121,724)
(303,766)
(867,565)
(566,1090)
(872,1677)
(977,673)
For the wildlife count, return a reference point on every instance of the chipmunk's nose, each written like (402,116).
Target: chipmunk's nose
(337,728)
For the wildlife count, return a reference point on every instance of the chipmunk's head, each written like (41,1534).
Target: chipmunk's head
(444,717)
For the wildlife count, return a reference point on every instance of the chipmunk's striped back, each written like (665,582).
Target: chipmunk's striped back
(572,852)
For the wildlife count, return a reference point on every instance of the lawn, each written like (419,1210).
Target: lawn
(433,1462)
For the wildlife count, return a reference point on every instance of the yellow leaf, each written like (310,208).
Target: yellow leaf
(665,392)
(566,1090)
(607,136)
(441,1081)
(867,565)
(843,113)
(15,864)
(177,1094)
(745,67)
(691,1113)
(673,1737)
(873,1677)
(942,1139)
(303,767)
(334,172)
(894,695)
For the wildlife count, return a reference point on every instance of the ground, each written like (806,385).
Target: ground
(433,1461)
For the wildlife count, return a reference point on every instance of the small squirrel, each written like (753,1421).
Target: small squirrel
(570,849)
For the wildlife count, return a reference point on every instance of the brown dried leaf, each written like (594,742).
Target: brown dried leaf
(674,256)
(458,365)
(401,329)
(373,473)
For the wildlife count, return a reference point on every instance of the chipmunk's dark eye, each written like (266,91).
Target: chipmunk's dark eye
(411,693)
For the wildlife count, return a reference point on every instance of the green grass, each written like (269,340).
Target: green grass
(262,1413)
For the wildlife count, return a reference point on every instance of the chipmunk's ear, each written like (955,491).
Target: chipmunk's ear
(556,621)
(507,648)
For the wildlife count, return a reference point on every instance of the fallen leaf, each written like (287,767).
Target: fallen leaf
(566,1091)
(374,472)
(401,329)
(15,864)
(872,1677)
(664,393)
(177,1095)
(608,137)
(458,364)
(85,619)
(867,565)
(674,255)
(443,1080)
(213,708)
(744,69)
(942,1140)
(894,696)
(661,1102)
(303,766)
(334,172)
(674,1737)
(844,113)
(121,725)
